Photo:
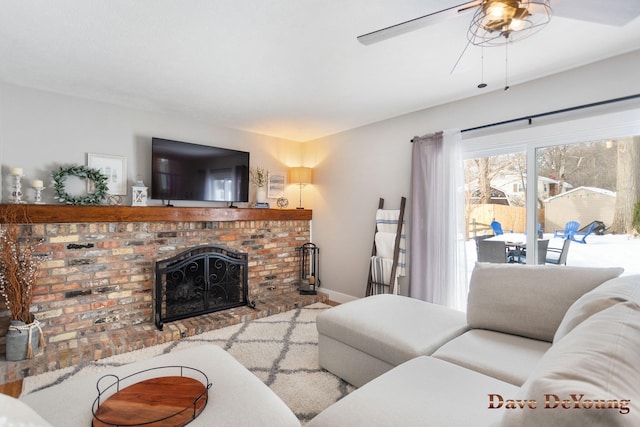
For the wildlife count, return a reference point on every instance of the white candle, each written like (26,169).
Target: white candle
(17,171)
(37,183)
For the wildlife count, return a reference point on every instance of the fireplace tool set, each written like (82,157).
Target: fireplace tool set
(309,269)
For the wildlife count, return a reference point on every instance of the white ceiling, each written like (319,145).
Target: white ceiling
(286,68)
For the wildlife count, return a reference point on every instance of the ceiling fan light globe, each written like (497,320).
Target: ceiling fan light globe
(496,9)
(517,24)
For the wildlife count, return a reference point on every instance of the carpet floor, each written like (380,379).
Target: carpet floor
(281,350)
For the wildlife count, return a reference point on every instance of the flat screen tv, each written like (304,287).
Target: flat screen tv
(185,171)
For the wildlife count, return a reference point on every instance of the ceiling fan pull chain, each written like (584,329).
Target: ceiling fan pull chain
(506,66)
(482,84)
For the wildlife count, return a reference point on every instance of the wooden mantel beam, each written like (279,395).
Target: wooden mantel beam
(52,214)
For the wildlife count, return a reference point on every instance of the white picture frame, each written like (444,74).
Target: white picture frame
(114,168)
(275,185)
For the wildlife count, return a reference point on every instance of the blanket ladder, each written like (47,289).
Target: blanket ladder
(375,282)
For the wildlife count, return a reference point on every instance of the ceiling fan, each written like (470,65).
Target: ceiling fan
(495,22)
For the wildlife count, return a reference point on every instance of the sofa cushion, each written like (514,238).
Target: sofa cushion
(528,300)
(14,413)
(509,358)
(392,328)
(595,365)
(611,292)
(424,391)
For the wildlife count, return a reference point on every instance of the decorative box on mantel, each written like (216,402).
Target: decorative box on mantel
(139,192)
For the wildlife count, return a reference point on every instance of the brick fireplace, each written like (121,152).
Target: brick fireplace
(95,290)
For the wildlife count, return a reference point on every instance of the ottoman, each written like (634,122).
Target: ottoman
(236,397)
(362,339)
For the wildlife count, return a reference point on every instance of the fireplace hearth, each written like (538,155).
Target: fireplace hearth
(200,280)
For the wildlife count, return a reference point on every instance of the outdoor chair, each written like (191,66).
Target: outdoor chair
(497,228)
(570,228)
(558,255)
(521,256)
(480,238)
(599,228)
(492,251)
(581,236)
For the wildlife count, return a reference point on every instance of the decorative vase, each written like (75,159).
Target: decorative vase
(261,195)
(23,341)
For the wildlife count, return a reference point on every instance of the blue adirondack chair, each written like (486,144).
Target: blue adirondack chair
(570,228)
(497,228)
(581,236)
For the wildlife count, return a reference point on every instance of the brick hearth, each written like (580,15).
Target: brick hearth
(100,345)
(95,290)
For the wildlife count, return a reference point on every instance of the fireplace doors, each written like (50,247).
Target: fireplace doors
(200,280)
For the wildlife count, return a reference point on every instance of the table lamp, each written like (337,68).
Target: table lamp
(301,176)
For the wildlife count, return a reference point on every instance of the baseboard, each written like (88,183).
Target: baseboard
(337,296)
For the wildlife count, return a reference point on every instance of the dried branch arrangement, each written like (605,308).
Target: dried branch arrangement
(18,264)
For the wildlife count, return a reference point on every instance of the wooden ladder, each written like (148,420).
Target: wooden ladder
(374,287)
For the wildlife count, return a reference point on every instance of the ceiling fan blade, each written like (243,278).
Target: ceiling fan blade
(417,23)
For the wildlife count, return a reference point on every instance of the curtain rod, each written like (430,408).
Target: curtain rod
(550,113)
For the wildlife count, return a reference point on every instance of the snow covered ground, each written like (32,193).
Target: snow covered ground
(609,250)
(600,251)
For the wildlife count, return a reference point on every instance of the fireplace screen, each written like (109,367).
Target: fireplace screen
(200,280)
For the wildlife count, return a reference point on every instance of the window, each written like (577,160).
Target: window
(585,170)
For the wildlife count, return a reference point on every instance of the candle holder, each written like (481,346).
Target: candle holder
(16,194)
(38,197)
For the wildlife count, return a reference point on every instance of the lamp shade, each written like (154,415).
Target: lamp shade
(301,175)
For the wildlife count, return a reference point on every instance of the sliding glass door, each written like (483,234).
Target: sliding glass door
(593,202)
(559,194)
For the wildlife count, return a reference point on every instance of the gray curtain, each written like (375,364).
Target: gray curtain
(437,260)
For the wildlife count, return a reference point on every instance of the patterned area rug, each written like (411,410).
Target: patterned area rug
(282,350)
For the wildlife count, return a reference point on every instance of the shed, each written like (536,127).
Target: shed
(582,204)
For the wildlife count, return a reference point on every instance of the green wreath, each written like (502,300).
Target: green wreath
(99,183)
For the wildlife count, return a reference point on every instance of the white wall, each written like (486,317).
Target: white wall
(40,131)
(353,169)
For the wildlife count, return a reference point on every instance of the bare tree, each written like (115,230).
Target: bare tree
(591,164)
(484,180)
(627,184)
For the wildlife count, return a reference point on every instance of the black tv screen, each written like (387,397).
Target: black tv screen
(185,171)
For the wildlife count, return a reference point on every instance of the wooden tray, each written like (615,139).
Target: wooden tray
(171,401)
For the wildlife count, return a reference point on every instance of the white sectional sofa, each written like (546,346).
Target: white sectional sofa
(538,346)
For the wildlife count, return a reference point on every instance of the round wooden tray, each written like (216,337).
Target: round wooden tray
(168,401)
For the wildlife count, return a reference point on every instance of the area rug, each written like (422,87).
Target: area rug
(281,350)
